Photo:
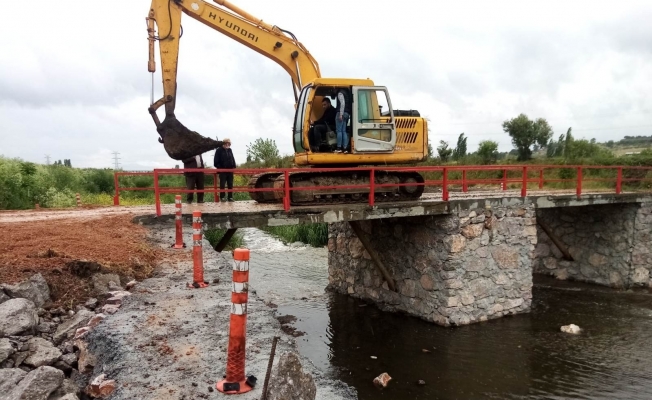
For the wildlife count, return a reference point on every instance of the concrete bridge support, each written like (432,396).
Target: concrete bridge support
(453,269)
(611,245)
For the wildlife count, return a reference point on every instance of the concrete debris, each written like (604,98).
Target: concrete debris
(17,316)
(101,387)
(131,284)
(382,380)
(6,350)
(117,297)
(9,378)
(87,360)
(70,358)
(41,353)
(91,303)
(69,396)
(38,384)
(3,296)
(110,308)
(81,332)
(289,382)
(101,282)
(421,382)
(96,320)
(35,289)
(68,328)
(572,328)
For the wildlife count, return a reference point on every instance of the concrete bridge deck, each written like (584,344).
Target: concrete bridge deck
(245,214)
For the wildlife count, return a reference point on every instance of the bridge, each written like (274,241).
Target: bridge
(466,250)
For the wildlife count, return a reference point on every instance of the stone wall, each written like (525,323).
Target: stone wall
(610,244)
(451,269)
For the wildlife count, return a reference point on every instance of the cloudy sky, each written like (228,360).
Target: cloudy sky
(74,81)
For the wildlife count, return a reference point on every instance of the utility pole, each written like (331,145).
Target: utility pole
(116,160)
(47,159)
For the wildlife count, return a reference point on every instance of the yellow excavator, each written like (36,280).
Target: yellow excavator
(379,134)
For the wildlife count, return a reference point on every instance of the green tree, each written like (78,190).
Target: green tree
(460,149)
(488,151)
(443,151)
(263,151)
(525,133)
(430,151)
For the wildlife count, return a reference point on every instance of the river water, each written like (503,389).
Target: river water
(518,357)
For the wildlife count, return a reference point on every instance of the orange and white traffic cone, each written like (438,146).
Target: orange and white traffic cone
(197,256)
(178,221)
(78,200)
(235,381)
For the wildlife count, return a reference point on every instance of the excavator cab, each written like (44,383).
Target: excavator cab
(371,127)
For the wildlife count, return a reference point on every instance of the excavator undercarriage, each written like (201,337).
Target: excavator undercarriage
(317,187)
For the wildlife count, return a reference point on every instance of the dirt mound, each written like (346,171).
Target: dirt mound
(181,143)
(58,248)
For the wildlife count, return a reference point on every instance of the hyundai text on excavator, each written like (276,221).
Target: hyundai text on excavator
(379,134)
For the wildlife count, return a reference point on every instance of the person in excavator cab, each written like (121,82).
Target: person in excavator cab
(323,125)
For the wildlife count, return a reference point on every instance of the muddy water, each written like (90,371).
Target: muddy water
(520,357)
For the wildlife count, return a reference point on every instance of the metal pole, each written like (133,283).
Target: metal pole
(372,187)
(579,183)
(157,194)
(505,179)
(444,190)
(116,184)
(286,198)
(269,367)
(541,178)
(465,187)
(524,184)
(619,181)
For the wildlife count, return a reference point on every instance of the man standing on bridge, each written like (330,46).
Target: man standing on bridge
(224,160)
(194,179)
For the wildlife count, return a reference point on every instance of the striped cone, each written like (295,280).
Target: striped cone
(235,381)
(179,224)
(197,256)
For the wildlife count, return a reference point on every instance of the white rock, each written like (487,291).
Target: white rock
(38,384)
(41,352)
(572,328)
(35,289)
(17,316)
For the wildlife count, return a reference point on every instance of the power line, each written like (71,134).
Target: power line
(47,159)
(116,160)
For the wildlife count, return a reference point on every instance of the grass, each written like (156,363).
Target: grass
(315,235)
(215,235)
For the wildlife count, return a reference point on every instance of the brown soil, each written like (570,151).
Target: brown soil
(52,247)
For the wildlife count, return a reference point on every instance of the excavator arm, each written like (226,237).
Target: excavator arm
(164,26)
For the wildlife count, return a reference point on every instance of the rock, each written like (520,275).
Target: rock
(6,350)
(641,276)
(101,282)
(35,289)
(46,327)
(421,382)
(63,366)
(69,396)
(117,297)
(597,260)
(289,382)
(41,352)
(427,282)
(17,316)
(86,360)
(9,378)
(81,332)
(505,256)
(19,357)
(69,358)
(455,243)
(133,283)
(110,308)
(472,231)
(100,387)
(91,303)
(69,327)
(572,328)
(382,380)
(38,384)
(96,320)
(3,296)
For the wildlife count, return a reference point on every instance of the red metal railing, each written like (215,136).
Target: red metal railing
(523,178)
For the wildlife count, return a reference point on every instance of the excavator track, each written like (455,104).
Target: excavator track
(337,196)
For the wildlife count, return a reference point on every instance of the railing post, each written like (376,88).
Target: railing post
(524,184)
(444,190)
(372,187)
(157,194)
(505,179)
(215,187)
(579,183)
(286,187)
(116,184)
(619,181)
(465,187)
(541,178)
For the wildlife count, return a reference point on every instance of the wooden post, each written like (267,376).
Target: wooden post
(357,229)
(555,240)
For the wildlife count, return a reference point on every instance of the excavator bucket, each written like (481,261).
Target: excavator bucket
(181,143)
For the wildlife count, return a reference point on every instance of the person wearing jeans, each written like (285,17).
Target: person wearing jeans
(341,121)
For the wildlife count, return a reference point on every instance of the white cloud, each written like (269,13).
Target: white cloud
(74,83)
